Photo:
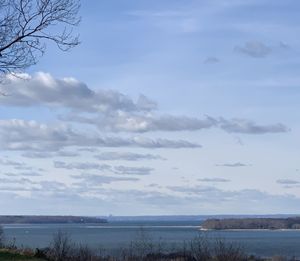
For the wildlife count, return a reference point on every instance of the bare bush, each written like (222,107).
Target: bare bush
(1,237)
(142,245)
(278,258)
(83,253)
(61,248)
(225,251)
(200,249)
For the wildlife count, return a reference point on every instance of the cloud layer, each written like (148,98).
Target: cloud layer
(112,111)
(32,136)
(86,123)
(42,89)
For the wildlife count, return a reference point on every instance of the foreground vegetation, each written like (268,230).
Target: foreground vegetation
(62,248)
(11,255)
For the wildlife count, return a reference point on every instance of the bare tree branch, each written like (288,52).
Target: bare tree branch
(27,25)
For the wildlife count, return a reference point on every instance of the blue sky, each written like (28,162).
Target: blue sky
(166,107)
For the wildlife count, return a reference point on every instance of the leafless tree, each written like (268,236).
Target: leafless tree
(27,25)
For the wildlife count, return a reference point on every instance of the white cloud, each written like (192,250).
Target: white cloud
(122,170)
(111,111)
(211,60)
(288,182)
(127,156)
(233,165)
(250,127)
(96,180)
(81,166)
(42,89)
(221,180)
(32,136)
(43,154)
(254,49)
(130,122)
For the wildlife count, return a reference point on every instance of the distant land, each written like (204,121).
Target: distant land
(252,223)
(43,219)
(199,218)
(50,220)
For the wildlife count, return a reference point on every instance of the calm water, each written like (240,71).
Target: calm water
(119,234)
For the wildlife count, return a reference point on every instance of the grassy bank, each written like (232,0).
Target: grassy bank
(13,255)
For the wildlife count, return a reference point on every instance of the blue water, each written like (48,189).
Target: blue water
(116,235)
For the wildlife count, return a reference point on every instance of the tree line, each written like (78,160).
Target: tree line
(252,223)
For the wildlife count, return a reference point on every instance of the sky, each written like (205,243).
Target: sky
(165,108)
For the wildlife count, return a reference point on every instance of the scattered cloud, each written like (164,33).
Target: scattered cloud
(211,60)
(254,49)
(23,174)
(284,45)
(123,170)
(214,195)
(155,14)
(124,122)
(239,141)
(127,156)
(81,166)
(88,149)
(89,191)
(96,180)
(24,135)
(288,182)
(37,155)
(112,111)
(16,181)
(43,154)
(5,162)
(250,127)
(233,165)
(77,123)
(217,180)
(42,89)
(54,186)
(132,122)
(154,185)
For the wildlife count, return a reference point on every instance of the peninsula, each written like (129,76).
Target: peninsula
(252,223)
(50,220)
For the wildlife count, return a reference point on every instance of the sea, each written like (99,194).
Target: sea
(116,235)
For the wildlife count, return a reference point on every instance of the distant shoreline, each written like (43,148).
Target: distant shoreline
(22,220)
(249,229)
(292,223)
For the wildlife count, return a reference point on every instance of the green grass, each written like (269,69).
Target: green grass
(9,256)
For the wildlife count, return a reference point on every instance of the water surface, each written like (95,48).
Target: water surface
(115,235)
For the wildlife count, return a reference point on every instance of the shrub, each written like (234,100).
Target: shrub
(225,251)
(61,248)
(1,237)
(200,250)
